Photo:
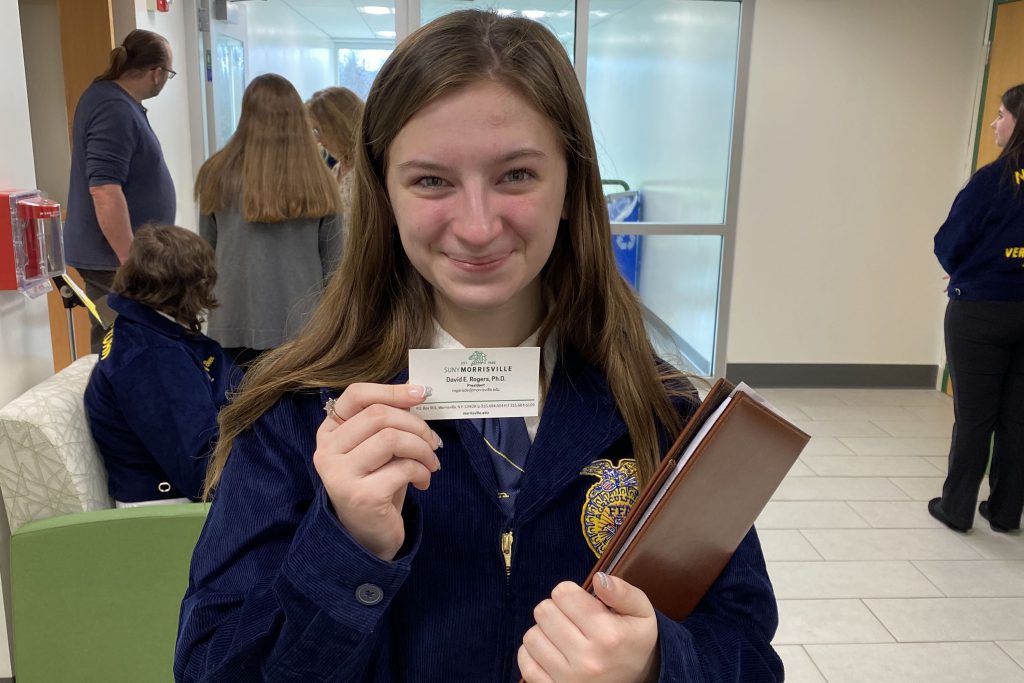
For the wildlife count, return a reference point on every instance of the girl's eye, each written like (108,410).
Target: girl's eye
(519,175)
(430,181)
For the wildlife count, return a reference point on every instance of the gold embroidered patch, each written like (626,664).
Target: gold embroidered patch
(608,500)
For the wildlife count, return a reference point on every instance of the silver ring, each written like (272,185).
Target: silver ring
(331,412)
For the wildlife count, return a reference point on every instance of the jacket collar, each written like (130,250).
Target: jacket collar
(144,315)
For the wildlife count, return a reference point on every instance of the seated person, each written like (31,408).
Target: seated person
(152,399)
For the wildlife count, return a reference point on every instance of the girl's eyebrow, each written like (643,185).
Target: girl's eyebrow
(426,165)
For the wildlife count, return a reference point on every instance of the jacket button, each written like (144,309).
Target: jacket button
(163,487)
(369,594)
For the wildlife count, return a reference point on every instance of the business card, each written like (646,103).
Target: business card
(475,383)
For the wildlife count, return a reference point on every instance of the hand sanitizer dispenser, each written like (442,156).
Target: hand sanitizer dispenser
(31,242)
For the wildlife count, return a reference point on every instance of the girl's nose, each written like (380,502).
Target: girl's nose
(476,221)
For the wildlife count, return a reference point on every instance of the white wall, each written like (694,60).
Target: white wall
(44,73)
(857,134)
(169,112)
(25,354)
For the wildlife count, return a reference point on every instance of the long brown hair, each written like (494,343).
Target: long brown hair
(1013,152)
(172,270)
(335,113)
(270,169)
(377,306)
(140,50)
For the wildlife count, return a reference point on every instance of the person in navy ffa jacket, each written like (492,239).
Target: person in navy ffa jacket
(337,547)
(153,397)
(981,247)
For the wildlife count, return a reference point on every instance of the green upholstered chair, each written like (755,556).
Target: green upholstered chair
(95,591)
(95,595)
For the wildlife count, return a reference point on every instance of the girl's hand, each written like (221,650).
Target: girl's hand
(580,637)
(367,454)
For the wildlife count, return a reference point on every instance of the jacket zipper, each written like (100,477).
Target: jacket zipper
(506,551)
(507,654)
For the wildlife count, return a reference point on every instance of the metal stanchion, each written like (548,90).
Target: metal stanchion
(67,296)
(71,296)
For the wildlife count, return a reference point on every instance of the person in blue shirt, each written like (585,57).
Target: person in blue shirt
(153,397)
(981,247)
(368,544)
(119,180)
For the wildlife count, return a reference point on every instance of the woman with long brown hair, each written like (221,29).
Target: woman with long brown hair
(337,548)
(981,246)
(271,210)
(335,114)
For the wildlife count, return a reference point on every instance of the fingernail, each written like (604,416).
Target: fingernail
(418,390)
(437,437)
(603,579)
(438,464)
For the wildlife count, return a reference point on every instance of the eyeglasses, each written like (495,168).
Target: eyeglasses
(171,73)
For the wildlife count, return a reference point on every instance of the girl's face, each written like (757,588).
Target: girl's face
(477,182)
(1003,126)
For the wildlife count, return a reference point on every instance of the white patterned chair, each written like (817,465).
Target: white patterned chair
(49,465)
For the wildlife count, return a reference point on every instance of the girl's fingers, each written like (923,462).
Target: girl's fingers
(362,395)
(557,625)
(531,671)
(397,474)
(345,437)
(385,446)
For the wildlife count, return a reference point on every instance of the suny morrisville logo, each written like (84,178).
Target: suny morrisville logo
(477,358)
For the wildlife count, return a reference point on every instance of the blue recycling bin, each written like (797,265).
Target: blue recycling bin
(626,207)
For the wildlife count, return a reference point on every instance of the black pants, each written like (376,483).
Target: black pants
(985,351)
(97,285)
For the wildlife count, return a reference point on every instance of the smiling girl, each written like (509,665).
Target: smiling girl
(338,548)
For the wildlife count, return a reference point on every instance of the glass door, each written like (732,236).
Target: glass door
(661,84)
(665,85)
(557,15)
(315,44)
(228,85)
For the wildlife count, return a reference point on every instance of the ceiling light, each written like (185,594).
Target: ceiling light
(376,9)
(386,34)
(534,13)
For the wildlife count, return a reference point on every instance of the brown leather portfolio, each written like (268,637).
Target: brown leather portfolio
(695,517)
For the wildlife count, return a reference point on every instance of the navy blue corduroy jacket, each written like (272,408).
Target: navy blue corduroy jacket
(279,591)
(981,244)
(152,403)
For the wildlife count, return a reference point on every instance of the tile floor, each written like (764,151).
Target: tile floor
(870,587)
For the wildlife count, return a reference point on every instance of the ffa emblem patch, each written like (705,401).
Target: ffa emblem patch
(108,343)
(607,501)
